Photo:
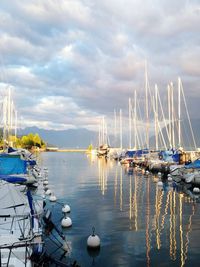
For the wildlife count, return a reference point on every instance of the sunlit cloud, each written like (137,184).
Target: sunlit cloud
(70,62)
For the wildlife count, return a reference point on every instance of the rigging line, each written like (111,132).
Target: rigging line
(188,115)
(18,257)
(162,136)
(20,228)
(163,114)
(140,119)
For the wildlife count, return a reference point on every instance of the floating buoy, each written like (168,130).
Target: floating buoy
(196,190)
(146,172)
(169,178)
(66,208)
(159,183)
(65,245)
(46,187)
(66,222)
(52,197)
(45,182)
(48,192)
(159,173)
(93,241)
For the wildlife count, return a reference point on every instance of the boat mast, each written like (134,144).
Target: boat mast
(179,112)
(188,116)
(169,115)
(130,122)
(15,126)
(5,121)
(103,130)
(156,116)
(120,125)
(99,135)
(147,106)
(115,127)
(9,115)
(172,103)
(135,116)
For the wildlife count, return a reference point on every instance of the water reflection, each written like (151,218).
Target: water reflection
(160,210)
(139,223)
(102,167)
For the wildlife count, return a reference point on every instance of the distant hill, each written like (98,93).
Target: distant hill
(82,138)
(72,138)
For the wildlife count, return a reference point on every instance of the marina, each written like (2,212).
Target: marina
(99,133)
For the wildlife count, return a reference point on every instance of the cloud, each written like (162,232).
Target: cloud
(73,61)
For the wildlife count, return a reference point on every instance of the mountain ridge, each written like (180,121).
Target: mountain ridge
(82,138)
(71,138)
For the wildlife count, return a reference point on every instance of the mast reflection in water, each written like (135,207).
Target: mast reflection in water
(139,223)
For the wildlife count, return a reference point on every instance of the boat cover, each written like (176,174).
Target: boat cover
(12,165)
(13,179)
(136,153)
(195,164)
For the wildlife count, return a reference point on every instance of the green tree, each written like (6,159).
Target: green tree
(37,140)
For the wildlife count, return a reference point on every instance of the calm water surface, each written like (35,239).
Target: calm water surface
(138,223)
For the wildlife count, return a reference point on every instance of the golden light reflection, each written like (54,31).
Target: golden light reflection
(115,186)
(158,204)
(130,198)
(148,240)
(188,231)
(181,229)
(167,205)
(135,204)
(102,175)
(166,209)
(121,189)
(173,226)
(92,157)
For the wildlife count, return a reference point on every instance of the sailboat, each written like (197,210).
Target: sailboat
(20,233)
(103,148)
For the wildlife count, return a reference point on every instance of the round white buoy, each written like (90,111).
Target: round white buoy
(45,182)
(48,192)
(196,190)
(66,222)
(159,183)
(65,245)
(147,172)
(66,208)
(168,175)
(52,198)
(169,179)
(93,240)
(159,173)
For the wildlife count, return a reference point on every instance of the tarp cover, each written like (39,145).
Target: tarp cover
(169,155)
(136,153)
(12,165)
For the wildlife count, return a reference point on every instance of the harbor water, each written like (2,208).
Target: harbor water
(139,223)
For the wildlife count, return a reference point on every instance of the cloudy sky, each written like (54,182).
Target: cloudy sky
(69,62)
